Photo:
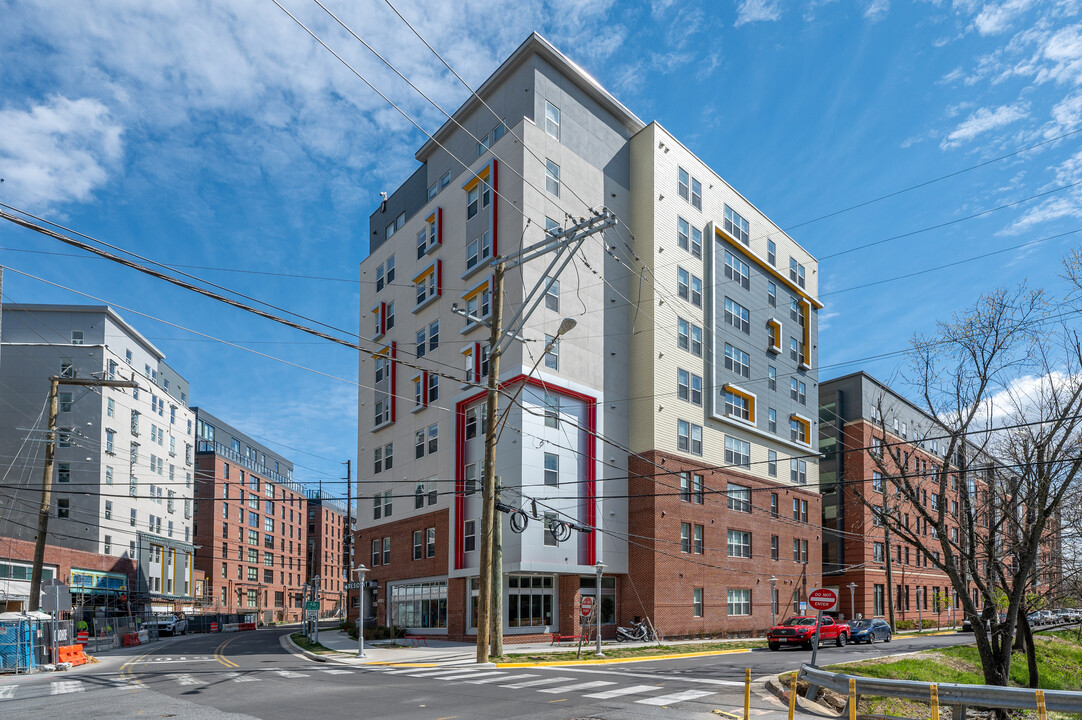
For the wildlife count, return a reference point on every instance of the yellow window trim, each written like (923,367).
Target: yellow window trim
(807,324)
(385,352)
(476,291)
(431,219)
(806,423)
(467,351)
(773,272)
(482,174)
(425,273)
(747,396)
(775,326)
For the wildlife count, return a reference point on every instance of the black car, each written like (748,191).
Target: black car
(869,631)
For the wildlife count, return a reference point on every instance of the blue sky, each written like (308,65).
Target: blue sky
(219,135)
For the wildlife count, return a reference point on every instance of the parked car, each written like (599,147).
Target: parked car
(869,631)
(173,624)
(800,630)
(1035,618)
(1047,618)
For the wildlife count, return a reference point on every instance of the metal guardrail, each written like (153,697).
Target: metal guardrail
(958,696)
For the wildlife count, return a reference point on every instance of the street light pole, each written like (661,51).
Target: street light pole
(773,602)
(360,570)
(597,609)
(852,602)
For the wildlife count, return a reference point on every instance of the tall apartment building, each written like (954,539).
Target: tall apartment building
(673,419)
(250,526)
(858,412)
(121,522)
(327,556)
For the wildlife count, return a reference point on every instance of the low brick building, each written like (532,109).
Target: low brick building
(327,555)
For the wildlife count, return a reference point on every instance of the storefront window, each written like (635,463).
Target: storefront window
(419,605)
(530,600)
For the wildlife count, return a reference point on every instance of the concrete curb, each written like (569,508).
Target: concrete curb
(287,642)
(613,661)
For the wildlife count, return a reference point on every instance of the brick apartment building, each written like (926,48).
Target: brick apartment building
(250,524)
(677,421)
(854,410)
(327,555)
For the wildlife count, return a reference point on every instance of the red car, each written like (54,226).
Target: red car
(801,629)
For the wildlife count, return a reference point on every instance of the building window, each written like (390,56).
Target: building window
(798,391)
(877,485)
(697,540)
(740,602)
(772,420)
(689,437)
(736,226)
(772,253)
(375,552)
(798,430)
(737,452)
(478,250)
(552,120)
(773,504)
(696,194)
(798,471)
(773,547)
(739,497)
(737,316)
(689,336)
(771,377)
(531,600)
(552,469)
(430,542)
(550,535)
(697,602)
(469,536)
(739,544)
(386,548)
(689,387)
(419,605)
(418,544)
(740,406)
(737,361)
(878,600)
(552,357)
(796,272)
(737,270)
(685,537)
(772,463)
(552,410)
(878,552)
(800,510)
(684,183)
(552,177)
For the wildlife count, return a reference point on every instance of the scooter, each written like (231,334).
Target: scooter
(638,632)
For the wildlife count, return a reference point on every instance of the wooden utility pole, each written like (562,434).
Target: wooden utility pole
(490,588)
(47,477)
(890,570)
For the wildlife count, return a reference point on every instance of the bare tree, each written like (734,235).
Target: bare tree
(1001,384)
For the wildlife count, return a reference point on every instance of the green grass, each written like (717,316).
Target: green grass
(302,642)
(1059,657)
(616,651)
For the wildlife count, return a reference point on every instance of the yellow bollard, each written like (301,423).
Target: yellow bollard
(747,692)
(852,699)
(792,697)
(1042,713)
(935,701)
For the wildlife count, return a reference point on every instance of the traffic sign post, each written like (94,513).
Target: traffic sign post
(586,606)
(821,600)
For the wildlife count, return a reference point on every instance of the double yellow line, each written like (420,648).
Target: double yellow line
(127,671)
(222,658)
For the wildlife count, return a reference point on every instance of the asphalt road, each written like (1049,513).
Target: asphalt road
(251,675)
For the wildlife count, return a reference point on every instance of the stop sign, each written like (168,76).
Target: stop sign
(823,599)
(587,606)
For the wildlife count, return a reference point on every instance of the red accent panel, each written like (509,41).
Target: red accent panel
(590,451)
(394,380)
(439,225)
(439,277)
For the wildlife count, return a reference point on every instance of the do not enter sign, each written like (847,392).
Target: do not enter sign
(823,599)
(587,606)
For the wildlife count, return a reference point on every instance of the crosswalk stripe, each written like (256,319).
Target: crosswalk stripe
(500,679)
(335,671)
(674,697)
(433,672)
(470,675)
(185,679)
(290,674)
(403,670)
(533,683)
(64,687)
(126,683)
(239,677)
(580,686)
(620,692)
(7,691)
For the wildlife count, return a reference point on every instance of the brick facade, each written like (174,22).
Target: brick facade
(326,553)
(664,574)
(279,568)
(63,560)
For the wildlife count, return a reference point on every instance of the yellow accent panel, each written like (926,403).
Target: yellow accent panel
(764,266)
(747,396)
(482,175)
(385,352)
(476,291)
(431,218)
(807,325)
(775,331)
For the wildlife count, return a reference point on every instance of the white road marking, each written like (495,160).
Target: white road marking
(185,679)
(126,683)
(580,686)
(290,673)
(500,679)
(674,698)
(656,676)
(532,683)
(471,674)
(241,677)
(432,672)
(8,691)
(620,692)
(63,687)
(160,661)
(335,671)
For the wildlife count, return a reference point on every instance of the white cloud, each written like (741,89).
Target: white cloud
(876,10)
(1049,210)
(57,151)
(749,11)
(984,120)
(1062,51)
(994,19)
